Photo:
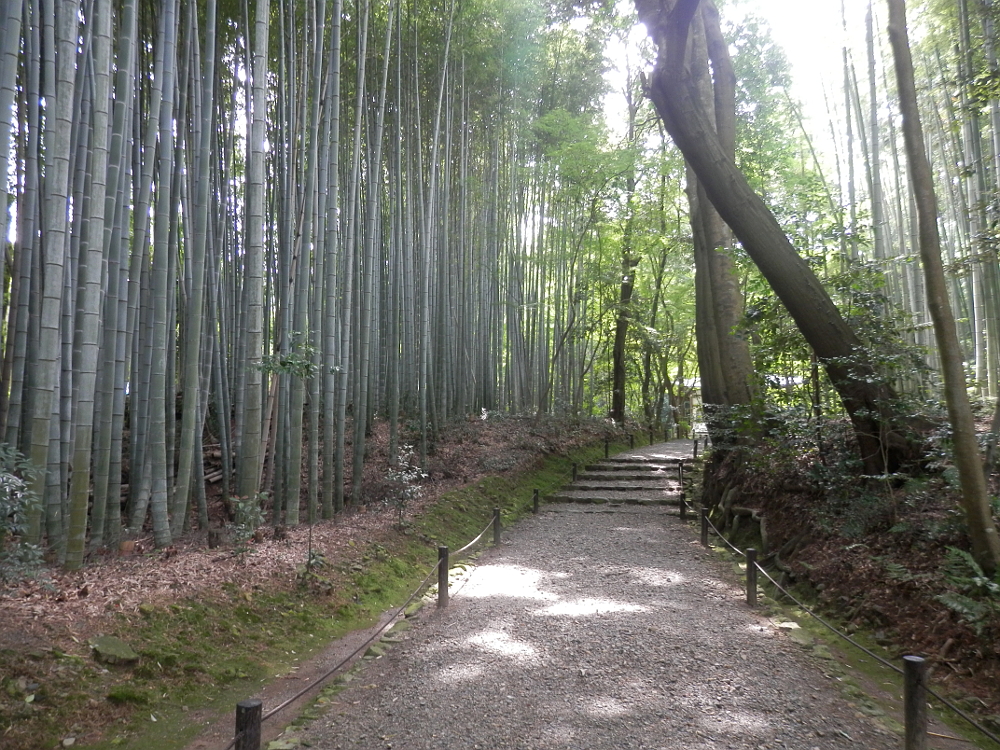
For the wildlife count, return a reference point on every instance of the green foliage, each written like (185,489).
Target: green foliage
(403,479)
(899,572)
(18,559)
(784,359)
(249,512)
(312,574)
(880,323)
(298,361)
(766,152)
(975,597)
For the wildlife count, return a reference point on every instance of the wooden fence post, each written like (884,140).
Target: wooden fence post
(496,526)
(248,719)
(534,500)
(704,527)
(915,702)
(442,576)
(751,577)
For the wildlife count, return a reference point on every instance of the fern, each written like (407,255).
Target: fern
(898,572)
(962,570)
(977,599)
(974,613)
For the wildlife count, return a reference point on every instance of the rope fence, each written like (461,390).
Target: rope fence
(250,715)
(914,671)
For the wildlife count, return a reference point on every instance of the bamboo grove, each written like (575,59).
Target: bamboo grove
(249,230)
(239,234)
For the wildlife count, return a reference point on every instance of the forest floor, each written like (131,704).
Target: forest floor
(52,692)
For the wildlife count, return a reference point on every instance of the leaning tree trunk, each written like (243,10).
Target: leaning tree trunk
(866,396)
(975,501)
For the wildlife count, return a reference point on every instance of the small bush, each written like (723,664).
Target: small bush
(18,559)
(249,516)
(403,480)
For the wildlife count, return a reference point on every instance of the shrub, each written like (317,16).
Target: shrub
(18,559)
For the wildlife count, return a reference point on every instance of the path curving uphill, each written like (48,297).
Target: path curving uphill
(599,627)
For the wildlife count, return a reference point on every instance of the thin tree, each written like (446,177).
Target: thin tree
(975,500)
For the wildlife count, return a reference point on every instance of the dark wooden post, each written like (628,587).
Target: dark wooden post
(248,719)
(631,441)
(696,448)
(442,576)
(751,577)
(534,502)
(684,506)
(704,527)
(496,526)
(651,434)
(915,702)
(606,447)
(574,472)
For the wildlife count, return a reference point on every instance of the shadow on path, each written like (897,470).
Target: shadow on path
(596,627)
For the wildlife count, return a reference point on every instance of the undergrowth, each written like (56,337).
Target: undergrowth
(885,555)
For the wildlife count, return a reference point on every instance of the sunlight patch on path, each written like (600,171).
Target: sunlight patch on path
(456,673)
(605,708)
(497,642)
(583,607)
(658,576)
(509,580)
(741,723)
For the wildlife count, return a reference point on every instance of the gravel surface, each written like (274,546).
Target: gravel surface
(595,628)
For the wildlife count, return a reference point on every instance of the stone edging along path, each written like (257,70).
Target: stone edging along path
(601,626)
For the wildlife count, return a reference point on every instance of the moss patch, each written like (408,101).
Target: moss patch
(220,646)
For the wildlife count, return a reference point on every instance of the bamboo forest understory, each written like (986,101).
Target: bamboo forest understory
(238,235)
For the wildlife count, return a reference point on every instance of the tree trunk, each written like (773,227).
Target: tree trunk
(975,501)
(866,396)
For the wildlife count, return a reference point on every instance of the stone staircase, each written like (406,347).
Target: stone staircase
(626,480)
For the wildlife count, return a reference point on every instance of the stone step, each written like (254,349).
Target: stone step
(652,493)
(627,476)
(635,466)
(587,486)
(639,459)
(607,499)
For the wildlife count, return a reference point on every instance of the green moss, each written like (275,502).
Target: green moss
(128,694)
(218,649)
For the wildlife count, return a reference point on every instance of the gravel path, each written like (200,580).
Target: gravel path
(599,628)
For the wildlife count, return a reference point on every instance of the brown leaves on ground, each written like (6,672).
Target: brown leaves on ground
(874,554)
(62,606)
